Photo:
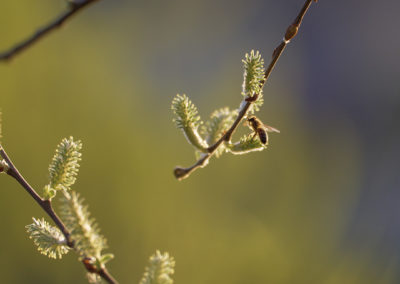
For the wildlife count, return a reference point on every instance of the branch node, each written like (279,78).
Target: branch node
(251,98)
(291,32)
(4,166)
(89,263)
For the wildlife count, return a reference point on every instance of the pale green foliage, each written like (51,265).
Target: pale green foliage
(105,258)
(160,269)
(198,154)
(219,123)
(253,73)
(84,231)
(188,120)
(64,166)
(186,112)
(49,239)
(252,76)
(247,144)
(93,278)
(222,119)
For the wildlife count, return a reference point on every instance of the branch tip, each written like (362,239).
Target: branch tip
(181,173)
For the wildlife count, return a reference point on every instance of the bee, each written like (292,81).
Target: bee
(260,129)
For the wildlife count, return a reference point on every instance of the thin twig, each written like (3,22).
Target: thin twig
(46,205)
(74,7)
(106,276)
(181,173)
(291,31)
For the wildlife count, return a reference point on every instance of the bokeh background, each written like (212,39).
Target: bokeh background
(319,206)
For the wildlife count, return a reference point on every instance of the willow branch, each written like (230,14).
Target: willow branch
(74,7)
(291,31)
(106,276)
(181,173)
(46,205)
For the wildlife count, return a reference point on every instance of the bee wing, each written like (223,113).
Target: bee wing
(271,129)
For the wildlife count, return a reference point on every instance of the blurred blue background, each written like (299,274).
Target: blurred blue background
(320,205)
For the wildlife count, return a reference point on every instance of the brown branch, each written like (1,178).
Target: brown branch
(74,7)
(181,173)
(46,205)
(106,276)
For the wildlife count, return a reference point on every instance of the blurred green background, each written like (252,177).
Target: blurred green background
(319,206)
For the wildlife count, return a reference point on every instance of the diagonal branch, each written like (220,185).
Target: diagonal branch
(181,173)
(74,7)
(46,205)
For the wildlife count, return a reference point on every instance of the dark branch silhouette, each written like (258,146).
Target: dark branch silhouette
(74,7)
